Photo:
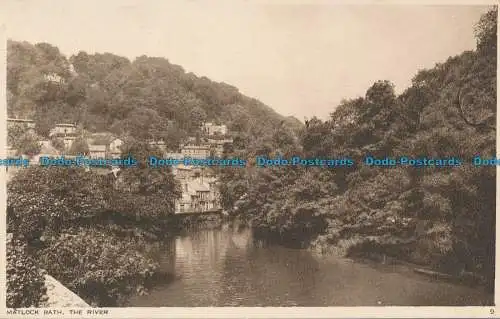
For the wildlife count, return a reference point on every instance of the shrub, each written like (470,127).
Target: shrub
(100,267)
(42,198)
(25,282)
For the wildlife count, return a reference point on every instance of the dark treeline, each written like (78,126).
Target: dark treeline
(440,217)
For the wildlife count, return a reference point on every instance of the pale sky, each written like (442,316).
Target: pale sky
(299,59)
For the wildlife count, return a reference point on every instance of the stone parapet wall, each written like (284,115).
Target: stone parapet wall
(60,296)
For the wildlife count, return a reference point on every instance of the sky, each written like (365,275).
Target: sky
(300,59)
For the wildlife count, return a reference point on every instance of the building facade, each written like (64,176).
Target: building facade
(63,129)
(196,151)
(200,191)
(97,151)
(27,125)
(212,129)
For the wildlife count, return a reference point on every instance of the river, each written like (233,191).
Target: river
(227,267)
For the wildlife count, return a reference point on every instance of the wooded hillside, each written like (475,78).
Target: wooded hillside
(148,98)
(442,217)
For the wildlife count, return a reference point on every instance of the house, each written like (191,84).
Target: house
(72,71)
(220,141)
(114,148)
(195,197)
(11,152)
(218,144)
(212,129)
(63,129)
(159,144)
(53,77)
(96,151)
(199,187)
(177,156)
(68,141)
(111,144)
(28,125)
(182,172)
(196,151)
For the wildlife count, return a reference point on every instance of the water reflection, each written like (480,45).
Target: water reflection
(228,267)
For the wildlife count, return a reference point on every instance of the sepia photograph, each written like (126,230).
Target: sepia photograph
(248,154)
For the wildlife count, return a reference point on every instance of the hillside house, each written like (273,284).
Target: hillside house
(96,151)
(182,172)
(114,148)
(63,130)
(68,141)
(199,189)
(28,125)
(11,152)
(196,151)
(177,156)
(161,145)
(218,144)
(53,77)
(107,143)
(195,197)
(212,129)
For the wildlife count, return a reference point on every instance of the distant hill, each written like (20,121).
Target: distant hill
(148,98)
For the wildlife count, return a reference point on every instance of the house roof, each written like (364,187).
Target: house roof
(198,187)
(97,148)
(202,187)
(181,166)
(174,155)
(48,149)
(20,120)
(156,143)
(196,147)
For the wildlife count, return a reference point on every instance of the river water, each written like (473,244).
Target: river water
(227,267)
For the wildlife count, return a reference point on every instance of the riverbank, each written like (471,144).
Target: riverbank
(344,249)
(373,258)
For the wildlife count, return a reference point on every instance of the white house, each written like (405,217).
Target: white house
(27,125)
(114,148)
(159,144)
(63,129)
(106,141)
(212,129)
(53,77)
(96,151)
(196,151)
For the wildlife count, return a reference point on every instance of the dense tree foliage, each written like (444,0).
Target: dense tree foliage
(101,259)
(99,266)
(24,142)
(148,98)
(444,217)
(25,284)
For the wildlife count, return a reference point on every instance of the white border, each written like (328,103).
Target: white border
(3,172)
(279,312)
(247,312)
